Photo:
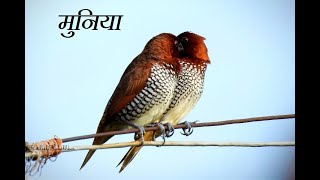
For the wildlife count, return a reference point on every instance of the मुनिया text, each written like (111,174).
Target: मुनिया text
(88,23)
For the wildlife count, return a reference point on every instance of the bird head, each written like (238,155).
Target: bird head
(163,46)
(192,45)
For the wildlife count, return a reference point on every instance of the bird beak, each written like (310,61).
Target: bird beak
(179,46)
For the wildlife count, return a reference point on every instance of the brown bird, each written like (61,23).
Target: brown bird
(193,59)
(145,89)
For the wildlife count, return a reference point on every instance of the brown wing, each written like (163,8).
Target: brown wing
(131,83)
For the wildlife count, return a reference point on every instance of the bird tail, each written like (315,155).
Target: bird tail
(96,141)
(133,151)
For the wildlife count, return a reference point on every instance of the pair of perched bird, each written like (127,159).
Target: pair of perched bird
(160,86)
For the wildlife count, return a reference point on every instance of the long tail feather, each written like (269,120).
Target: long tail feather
(133,151)
(96,141)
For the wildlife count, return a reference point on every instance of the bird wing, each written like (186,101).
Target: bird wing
(131,83)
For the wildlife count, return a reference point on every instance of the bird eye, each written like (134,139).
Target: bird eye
(184,39)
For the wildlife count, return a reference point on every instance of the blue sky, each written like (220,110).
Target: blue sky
(251,45)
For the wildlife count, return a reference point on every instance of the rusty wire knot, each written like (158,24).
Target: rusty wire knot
(41,151)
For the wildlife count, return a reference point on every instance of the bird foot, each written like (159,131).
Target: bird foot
(187,131)
(165,133)
(139,135)
(161,128)
(170,131)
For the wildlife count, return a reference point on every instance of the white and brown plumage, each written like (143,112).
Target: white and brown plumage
(145,89)
(193,60)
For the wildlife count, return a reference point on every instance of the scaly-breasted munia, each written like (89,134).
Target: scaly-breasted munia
(193,60)
(145,89)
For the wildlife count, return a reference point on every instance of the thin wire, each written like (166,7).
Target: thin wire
(179,126)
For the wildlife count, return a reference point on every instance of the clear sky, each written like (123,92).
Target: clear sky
(252,48)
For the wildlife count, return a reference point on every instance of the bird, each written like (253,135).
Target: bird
(193,59)
(144,91)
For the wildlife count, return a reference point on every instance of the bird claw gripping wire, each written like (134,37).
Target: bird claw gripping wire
(139,135)
(163,131)
(161,128)
(170,131)
(189,130)
(166,133)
